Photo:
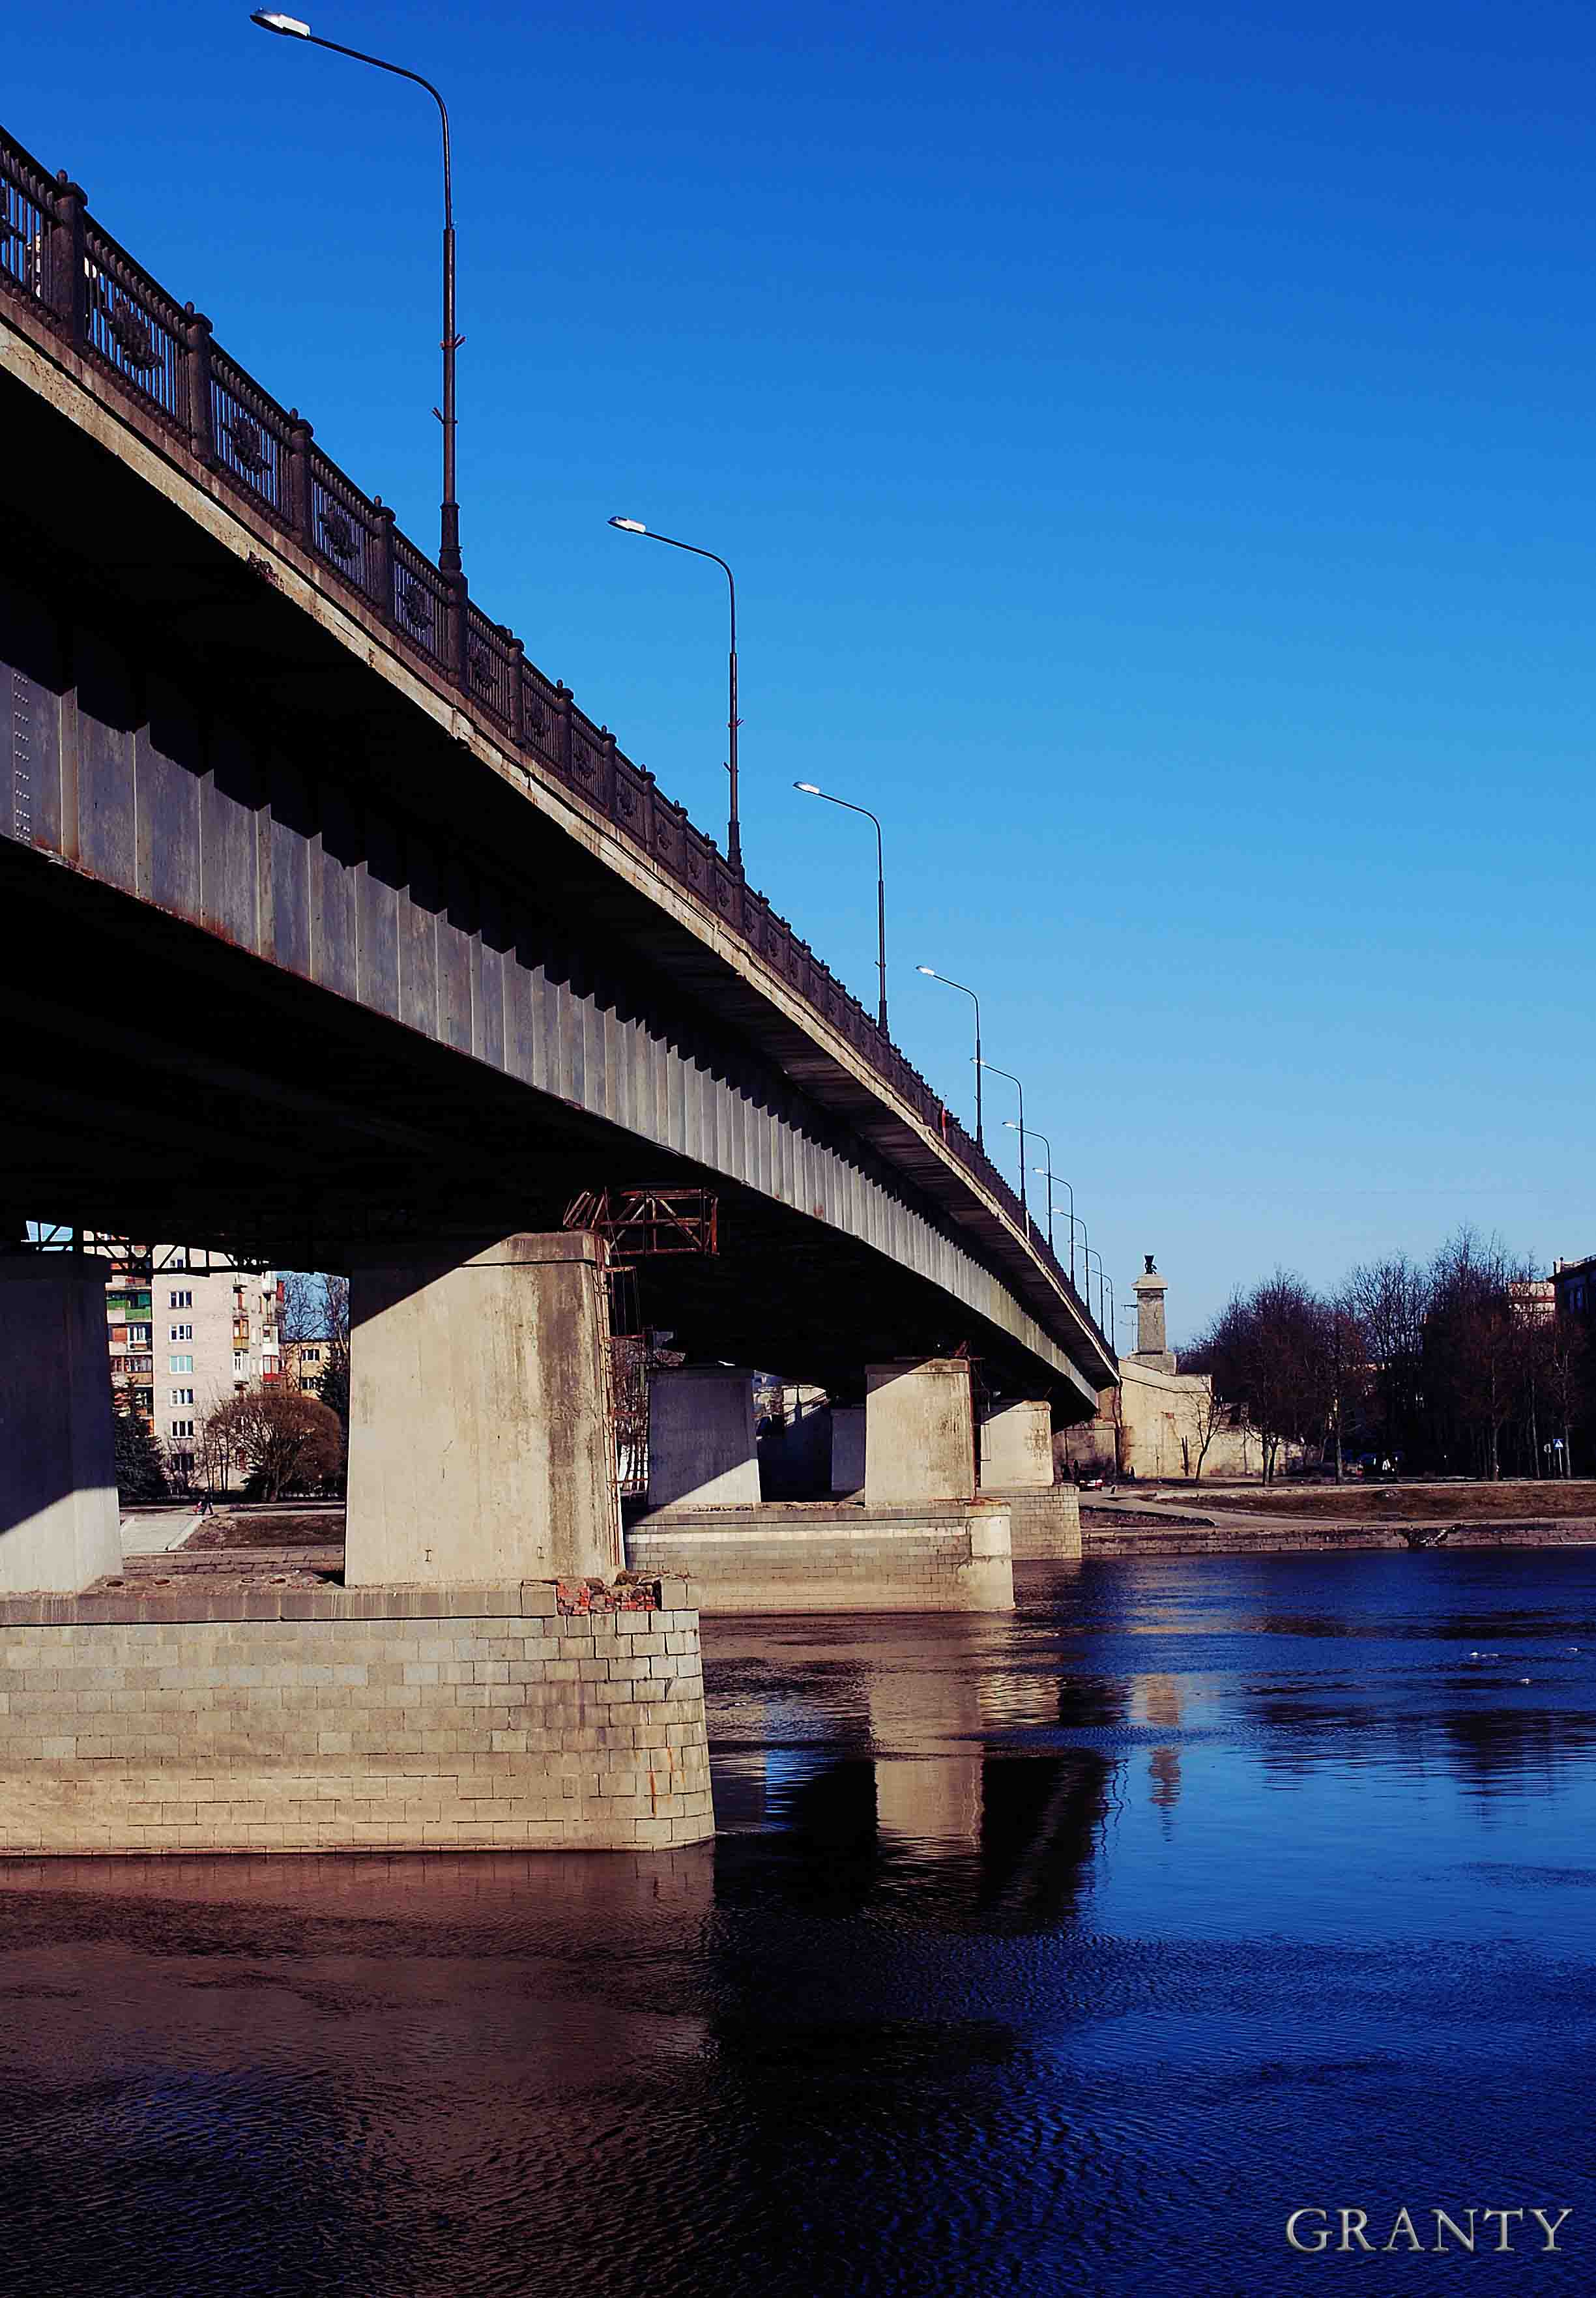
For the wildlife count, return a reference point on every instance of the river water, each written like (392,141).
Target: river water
(1068,1952)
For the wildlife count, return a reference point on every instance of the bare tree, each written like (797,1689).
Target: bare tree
(1567,1370)
(282,1436)
(316,1308)
(1391,1300)
(1346,1367)
(302,1316)
(1474,1343)
(1267,1352)
(1211,1413)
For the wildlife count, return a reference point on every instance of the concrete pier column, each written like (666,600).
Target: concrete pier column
(58,1522)
(847,1448)
(1016,1449)
(702,1452)
(918,1432)
(481,1448)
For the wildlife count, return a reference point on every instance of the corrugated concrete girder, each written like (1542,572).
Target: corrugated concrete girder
(250,757)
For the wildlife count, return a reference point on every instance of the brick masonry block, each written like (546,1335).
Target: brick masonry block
(248,1721)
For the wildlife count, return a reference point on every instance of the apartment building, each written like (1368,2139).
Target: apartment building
(186,1333)
(305,1364)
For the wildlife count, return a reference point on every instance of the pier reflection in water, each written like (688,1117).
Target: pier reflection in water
(1067,1951)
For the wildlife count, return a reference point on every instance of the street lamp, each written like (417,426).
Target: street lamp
(1048,1144)
(291,28)
(733,827)
(813,790)
(1076,1223)
(1052,1177)
(1019,1128)
(1102,1304)
(931,974)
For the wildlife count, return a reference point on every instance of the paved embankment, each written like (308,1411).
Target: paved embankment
(1126,1526)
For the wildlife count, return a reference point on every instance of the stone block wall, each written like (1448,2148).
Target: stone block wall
(1044,1527)
(462,1719)
(832,1556)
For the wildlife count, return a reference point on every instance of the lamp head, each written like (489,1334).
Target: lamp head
(927,969)
(810,790)
(630,525)
(1008,1121)
(289,27)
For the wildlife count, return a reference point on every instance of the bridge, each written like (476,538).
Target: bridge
(334,933)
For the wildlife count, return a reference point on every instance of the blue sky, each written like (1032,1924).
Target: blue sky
(1156,450)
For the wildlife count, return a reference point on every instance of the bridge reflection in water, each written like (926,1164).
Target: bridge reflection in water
(961,2000)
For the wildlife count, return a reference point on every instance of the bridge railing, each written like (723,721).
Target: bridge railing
(55,256)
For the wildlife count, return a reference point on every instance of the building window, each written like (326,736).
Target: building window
(182,1428)
(181,1300)
(179,1364)
(137,1333)
(181,1333)
(240,1361)
(182,1396)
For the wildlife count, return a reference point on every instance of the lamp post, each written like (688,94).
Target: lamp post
(1019,1128)
(1076,1223)
(1048,1144)
(733,827)
(1052,1176)
(931,974)
(1097,1257)
(291,28)
(813,790)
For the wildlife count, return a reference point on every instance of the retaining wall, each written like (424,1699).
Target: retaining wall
(464,1719)
(833,1556)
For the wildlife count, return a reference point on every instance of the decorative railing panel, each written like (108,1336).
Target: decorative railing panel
(344,526)
(25,218)
(52,252)
(541,716)
(249,433)
(137,329)
(489,664)
(420,604)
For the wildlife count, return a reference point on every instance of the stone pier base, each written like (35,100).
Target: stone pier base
(1044,1525)
(371,1719)
(819,1556)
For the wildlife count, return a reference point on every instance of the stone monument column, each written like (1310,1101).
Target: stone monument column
(1152,1341)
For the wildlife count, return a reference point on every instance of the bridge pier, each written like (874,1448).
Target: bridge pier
(702,1449)
(918,1432)
(1016,1449)
(480,1447)
(1017,1469)
(59,1521)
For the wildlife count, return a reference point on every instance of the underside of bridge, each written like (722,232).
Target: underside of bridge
(161,1088)
(164,1079)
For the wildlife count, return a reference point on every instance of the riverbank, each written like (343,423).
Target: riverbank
(1316,1519)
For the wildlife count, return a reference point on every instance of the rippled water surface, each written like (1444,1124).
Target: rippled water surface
(1062,1953)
